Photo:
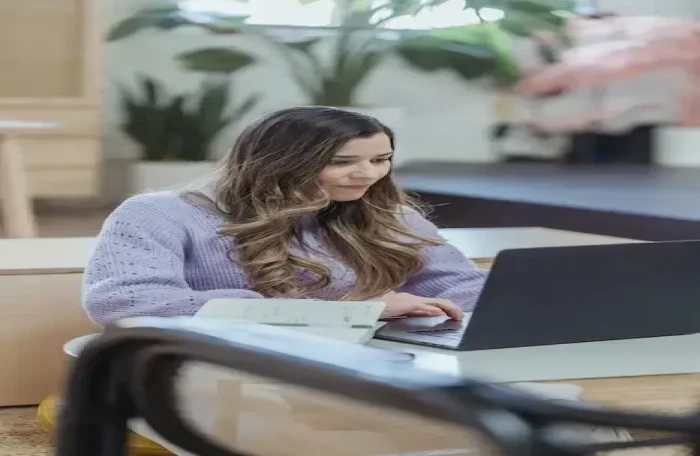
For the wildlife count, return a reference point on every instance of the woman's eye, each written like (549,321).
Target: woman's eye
(349,162)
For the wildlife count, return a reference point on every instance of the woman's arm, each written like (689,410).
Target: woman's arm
(137,268)
(447,273)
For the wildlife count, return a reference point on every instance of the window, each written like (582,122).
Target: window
(449,14)
(320,14)
(271,12)
(453,14)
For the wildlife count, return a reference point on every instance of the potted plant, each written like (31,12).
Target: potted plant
(174,132)
(360,43)
(357,46)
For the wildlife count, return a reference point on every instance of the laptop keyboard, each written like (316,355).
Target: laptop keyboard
(448,334)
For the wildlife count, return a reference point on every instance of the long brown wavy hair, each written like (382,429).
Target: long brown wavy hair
(267,186)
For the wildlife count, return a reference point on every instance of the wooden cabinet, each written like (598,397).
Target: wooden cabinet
(50,73)
(40,282)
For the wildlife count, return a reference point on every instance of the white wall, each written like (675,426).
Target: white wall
(444,117)
(441,112)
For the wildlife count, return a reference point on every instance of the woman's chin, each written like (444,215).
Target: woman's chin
(348,195)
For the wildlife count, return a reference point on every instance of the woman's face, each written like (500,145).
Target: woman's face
(356,167)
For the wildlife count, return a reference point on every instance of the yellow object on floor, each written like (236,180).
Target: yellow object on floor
(138,446)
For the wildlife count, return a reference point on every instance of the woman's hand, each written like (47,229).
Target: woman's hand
(408,305)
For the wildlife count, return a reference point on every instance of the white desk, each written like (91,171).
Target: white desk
(45,255)
(608,359)
(481,243)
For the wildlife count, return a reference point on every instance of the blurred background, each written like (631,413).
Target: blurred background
(570,114)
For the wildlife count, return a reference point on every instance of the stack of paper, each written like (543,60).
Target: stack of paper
(347,321)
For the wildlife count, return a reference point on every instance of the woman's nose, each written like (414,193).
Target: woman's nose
(364,171)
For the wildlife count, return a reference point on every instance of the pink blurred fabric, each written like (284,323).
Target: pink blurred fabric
(619,48)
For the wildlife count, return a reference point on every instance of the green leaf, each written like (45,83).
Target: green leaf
(237,113)
(143,19)
(215,60)
(477,34)
(171,17)
(479,4)
(512,25)
(128,27)
(245,107)
(428,53)
(304,46)
(179,127)
(541,6)
(507,68)
(406,7)
(211,106)
(526,25)
(229,25)
(472,52)
(152,91)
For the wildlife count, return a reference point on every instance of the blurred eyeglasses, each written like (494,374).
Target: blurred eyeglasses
(209,388)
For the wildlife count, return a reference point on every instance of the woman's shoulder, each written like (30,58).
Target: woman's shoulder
(163,201)
(157,208)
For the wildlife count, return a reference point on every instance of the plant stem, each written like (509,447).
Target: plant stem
(297,70)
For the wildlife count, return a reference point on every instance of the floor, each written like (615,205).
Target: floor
(21,435)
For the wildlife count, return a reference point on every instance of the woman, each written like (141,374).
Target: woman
(304,206)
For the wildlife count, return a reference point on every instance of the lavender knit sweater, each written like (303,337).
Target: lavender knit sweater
(160,255)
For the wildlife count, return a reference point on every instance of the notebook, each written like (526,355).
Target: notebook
(347,321)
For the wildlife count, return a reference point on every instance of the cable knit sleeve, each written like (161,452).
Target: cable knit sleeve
(446,273)
(137,268)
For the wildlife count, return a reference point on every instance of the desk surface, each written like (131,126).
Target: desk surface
(630,381)
(63,255)
(13,126)
(478,243)
(615,358)
(44,255)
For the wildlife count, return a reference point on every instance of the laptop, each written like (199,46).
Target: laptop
(565,295)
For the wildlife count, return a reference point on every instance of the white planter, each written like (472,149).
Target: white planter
(677,146)
(153,176)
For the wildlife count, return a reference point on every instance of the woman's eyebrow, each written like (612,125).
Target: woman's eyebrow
(357,156)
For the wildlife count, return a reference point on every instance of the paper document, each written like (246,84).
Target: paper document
(351,335)
(348,321)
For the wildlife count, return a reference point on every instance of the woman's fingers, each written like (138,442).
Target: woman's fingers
(429,310)
(448,308)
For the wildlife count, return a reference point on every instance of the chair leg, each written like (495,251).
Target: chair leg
(17,211)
